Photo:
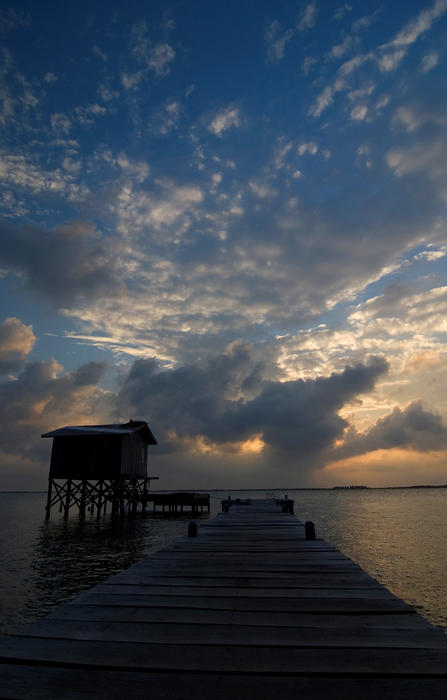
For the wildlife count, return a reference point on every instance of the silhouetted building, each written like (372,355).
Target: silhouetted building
(93,465)
(100,451)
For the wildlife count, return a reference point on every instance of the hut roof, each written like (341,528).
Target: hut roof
(134,426)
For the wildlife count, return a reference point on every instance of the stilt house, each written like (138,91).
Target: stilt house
(117,451)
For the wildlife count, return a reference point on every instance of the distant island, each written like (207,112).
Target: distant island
(350,487)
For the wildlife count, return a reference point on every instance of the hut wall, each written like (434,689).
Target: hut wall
(133,456)
(86,457)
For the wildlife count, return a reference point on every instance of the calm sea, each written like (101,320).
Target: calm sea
(399,536)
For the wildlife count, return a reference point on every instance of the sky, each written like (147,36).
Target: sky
(228,220)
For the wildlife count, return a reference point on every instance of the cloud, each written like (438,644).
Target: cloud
(366,21)
(166,118)
(308,17)
(359,112)
(277,38)
(426,156)
(10,20)
(225,119)
(391,53)
(65,264)
(16,342)
(342,11)
(307,64)
(27,175)
(50,78)
(41,398)
(307,147)
(413,428)
(156,58)
(232,398)
(160,58)
(387,57)
(429,61)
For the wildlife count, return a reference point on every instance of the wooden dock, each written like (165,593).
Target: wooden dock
(248,609)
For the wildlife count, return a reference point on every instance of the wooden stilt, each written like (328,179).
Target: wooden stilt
(48,506)
(99,504)
(67,499)
(82,503)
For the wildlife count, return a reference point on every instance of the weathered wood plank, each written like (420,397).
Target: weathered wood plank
(116,612)
(228,659)
(241,602)
(209,634)
(42,683)
(251,592)
(357,581)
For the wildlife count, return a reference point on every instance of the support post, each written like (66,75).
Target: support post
(48,506)
(99,504)
(82,503)
(67,499)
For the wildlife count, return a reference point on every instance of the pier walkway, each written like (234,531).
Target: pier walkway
(247,609)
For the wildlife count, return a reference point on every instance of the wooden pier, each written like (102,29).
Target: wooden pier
(247,609)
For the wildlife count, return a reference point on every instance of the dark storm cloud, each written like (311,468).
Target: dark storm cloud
(41,399)
(413,428)
(62,265)
(231,398)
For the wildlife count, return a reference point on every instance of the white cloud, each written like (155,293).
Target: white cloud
(307,147)
(277,40)
(107,94)
(307,64)
(166,118)
(16,342)
(342,11)
(390,60)
(394,51)
(225,119)
(18,170)
(60,123)
(308,17)
(131,80)
(97,51)
(429,61)
(431,255)
(261,189)
(50,78)
(426,157)
(387,57)
(366,21)
(160,59)
(346,45)
(281,152)
(359,112)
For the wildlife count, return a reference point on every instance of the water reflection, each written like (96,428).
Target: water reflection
(44,563)
(72,556)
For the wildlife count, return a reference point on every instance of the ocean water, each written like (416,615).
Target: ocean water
(398,535)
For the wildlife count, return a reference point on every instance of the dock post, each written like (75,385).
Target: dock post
(48,506)
(309,530)
(192,529)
